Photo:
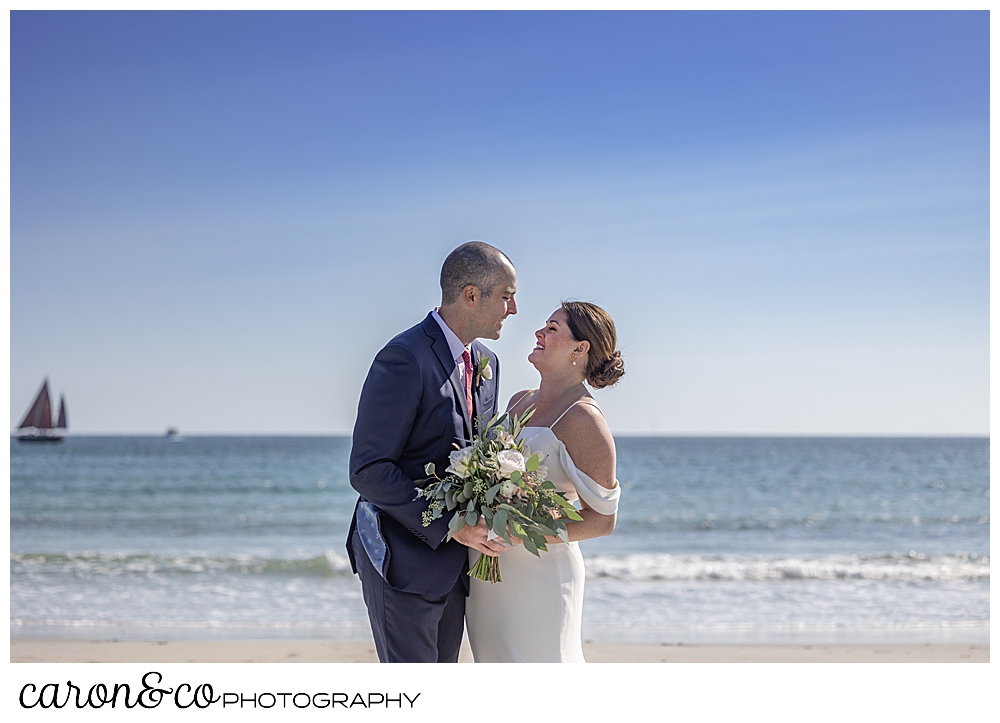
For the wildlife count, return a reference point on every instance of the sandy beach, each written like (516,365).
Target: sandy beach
(28,650)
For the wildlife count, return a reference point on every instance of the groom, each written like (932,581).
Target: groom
(423,393)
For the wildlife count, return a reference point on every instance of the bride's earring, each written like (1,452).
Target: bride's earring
(574,360)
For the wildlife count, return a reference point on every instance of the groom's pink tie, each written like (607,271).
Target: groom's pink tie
(468,380)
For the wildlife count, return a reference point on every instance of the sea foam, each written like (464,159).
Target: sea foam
(902,567)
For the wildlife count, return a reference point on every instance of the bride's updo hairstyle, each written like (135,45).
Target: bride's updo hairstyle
(588,322)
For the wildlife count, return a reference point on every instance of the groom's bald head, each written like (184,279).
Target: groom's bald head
(476,263)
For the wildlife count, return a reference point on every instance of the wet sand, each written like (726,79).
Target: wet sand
(43,650)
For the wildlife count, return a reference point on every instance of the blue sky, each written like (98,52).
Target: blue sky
(218,218)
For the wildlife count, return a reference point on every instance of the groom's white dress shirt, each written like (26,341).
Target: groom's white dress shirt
(454,344)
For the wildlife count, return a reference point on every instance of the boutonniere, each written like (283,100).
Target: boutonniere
(484,371)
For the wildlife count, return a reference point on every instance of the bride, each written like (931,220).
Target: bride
(534,615)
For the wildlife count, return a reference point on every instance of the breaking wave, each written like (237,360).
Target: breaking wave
(915,567)
(88,564)
(904,568)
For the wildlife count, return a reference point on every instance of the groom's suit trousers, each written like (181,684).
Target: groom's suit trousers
(409,627)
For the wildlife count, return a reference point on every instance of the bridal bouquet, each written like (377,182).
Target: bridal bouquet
(492,478)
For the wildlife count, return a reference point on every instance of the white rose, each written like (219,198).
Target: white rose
(507,488)
(487,372)
(510,460)
(460,460)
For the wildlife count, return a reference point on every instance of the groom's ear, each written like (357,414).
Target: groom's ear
(470,294)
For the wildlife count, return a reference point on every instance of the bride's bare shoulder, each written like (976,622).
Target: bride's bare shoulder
(585,419)
(589,442)
(523,395)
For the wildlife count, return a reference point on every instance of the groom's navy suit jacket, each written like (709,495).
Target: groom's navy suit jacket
(413,411)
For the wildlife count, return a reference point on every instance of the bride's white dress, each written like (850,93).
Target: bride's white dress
(535,614)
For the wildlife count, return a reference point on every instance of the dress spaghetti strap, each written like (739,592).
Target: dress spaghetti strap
(585,400)
(521,398)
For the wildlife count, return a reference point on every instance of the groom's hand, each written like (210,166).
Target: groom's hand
(475,537)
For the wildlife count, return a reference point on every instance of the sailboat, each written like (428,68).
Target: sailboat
(37,423)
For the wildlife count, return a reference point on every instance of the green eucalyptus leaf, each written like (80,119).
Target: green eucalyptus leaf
(537,536)
(456,524)
(517,531)
(532,463)
(500,523)
(511,510)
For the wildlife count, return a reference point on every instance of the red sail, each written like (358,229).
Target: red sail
(61,424)
(40,414)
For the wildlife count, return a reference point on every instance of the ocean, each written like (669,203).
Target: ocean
(719,540)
